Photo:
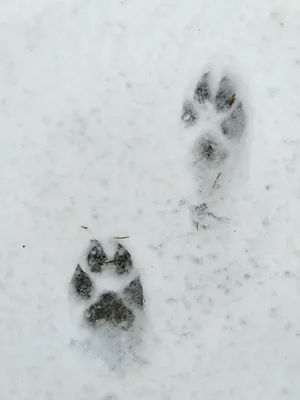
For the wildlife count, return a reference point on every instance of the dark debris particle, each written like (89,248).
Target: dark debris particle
(133,293)
(96,257)
(202,91)
(82,284)
(109,309)
(122,260)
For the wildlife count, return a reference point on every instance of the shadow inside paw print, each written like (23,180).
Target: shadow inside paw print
(226,101)
(117,308)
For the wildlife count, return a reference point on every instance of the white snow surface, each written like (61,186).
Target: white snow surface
(90,102)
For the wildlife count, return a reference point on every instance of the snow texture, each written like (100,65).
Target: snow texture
(93,146)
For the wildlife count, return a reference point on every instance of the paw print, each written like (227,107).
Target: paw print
(110,289)
(229,109)
(220,121)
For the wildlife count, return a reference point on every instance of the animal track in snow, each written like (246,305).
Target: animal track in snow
(220,122)
(108,292)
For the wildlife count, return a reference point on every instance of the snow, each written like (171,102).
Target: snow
(90,101)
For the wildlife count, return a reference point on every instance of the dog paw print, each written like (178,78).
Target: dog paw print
(219,119)
(227,104)
(116,304)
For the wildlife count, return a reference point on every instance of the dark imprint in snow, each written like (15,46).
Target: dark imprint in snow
(115,309)
(225,101)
